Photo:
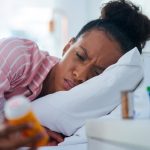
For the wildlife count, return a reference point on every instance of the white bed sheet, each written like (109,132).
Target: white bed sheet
(68,147)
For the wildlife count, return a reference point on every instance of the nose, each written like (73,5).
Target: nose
(81,74)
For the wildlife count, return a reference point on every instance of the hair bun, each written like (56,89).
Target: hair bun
(129,19)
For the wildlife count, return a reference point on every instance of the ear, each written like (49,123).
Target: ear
(67,46)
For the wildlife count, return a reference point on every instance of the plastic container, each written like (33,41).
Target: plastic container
(127,105)
(18,111)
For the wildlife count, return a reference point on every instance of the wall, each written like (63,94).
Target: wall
(78,12)
(75,11)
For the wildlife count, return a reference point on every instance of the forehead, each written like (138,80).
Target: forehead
(100,47)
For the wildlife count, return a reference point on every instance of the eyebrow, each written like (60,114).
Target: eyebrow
(85,51)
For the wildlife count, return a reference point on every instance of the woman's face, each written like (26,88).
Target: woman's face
(89,56)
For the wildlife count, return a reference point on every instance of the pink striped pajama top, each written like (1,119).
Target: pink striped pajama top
(23,68)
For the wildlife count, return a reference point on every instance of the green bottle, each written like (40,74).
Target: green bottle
(148,90)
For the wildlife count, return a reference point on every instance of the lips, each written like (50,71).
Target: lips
(68,84)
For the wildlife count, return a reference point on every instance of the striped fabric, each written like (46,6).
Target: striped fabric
(23,68)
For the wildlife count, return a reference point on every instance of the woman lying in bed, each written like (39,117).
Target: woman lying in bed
(26,70)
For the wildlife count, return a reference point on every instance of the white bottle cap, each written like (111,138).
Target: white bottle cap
(16,107)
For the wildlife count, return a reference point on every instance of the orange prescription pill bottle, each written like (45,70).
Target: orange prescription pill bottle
(18,111)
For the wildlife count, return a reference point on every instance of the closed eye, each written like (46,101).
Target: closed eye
(80,56)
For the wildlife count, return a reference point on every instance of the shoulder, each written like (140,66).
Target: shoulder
(15,41)
(17,46)
(16,52)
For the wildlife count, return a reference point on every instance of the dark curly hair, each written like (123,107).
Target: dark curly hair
(123,21)
(129,18)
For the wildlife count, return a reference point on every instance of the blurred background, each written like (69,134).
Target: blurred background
(50,23)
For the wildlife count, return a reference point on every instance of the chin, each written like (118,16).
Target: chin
(59,89)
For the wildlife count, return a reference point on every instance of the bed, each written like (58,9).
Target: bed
(77,134)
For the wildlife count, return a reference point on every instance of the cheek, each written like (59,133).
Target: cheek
(69,66)
(69,62)
(114,59)
(109,60)
(64,68)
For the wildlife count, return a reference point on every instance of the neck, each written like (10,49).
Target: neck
(48,84)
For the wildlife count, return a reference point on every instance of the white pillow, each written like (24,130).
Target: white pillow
(66,111)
